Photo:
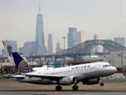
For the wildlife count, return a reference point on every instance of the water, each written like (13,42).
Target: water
(62,93)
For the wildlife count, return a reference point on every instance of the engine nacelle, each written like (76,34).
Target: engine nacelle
(66,80)
(91,81)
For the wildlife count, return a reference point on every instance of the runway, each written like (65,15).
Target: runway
(12,87)
(62,93)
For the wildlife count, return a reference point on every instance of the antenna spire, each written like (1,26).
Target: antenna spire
(39,4)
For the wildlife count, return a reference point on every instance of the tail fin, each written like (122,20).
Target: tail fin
(14,57)
(17,59)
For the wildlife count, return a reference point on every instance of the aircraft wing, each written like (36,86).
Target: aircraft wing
(52,77)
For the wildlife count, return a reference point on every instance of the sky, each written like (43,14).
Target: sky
(106,18)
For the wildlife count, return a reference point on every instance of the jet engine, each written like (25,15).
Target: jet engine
(91,81)
(66,81)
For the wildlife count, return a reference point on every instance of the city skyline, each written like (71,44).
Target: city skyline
(18,18)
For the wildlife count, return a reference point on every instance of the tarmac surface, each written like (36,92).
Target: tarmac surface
(62,93)
(13,85)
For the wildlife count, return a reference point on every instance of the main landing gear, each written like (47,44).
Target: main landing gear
(75,86)
(58,88)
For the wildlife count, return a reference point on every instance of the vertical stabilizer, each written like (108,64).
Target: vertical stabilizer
(17,59)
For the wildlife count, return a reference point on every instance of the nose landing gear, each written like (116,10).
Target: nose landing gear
(101,84)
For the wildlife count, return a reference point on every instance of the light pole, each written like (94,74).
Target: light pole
(64,39)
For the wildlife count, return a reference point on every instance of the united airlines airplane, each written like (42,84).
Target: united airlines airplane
(88,74)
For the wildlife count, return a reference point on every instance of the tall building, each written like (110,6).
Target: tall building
(29,49)
(120,40)
(40,34)
(78,37)
(58,48)
(83,35)
(11,47)
(73,37)
(50,44)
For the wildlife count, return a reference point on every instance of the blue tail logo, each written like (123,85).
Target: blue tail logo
(17,59)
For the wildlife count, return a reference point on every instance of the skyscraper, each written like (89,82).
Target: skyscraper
(83,36)
(40,34)
(13,45)
(58,48)
(78,37)
(50,44)
(29,49)
(73,37)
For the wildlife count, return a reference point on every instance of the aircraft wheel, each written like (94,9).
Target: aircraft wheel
(101,84)
(75,88)
(75,81)
(58,88)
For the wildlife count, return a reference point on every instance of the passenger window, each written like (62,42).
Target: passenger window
(106,65)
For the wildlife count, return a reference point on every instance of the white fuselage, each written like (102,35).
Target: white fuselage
(98,69)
